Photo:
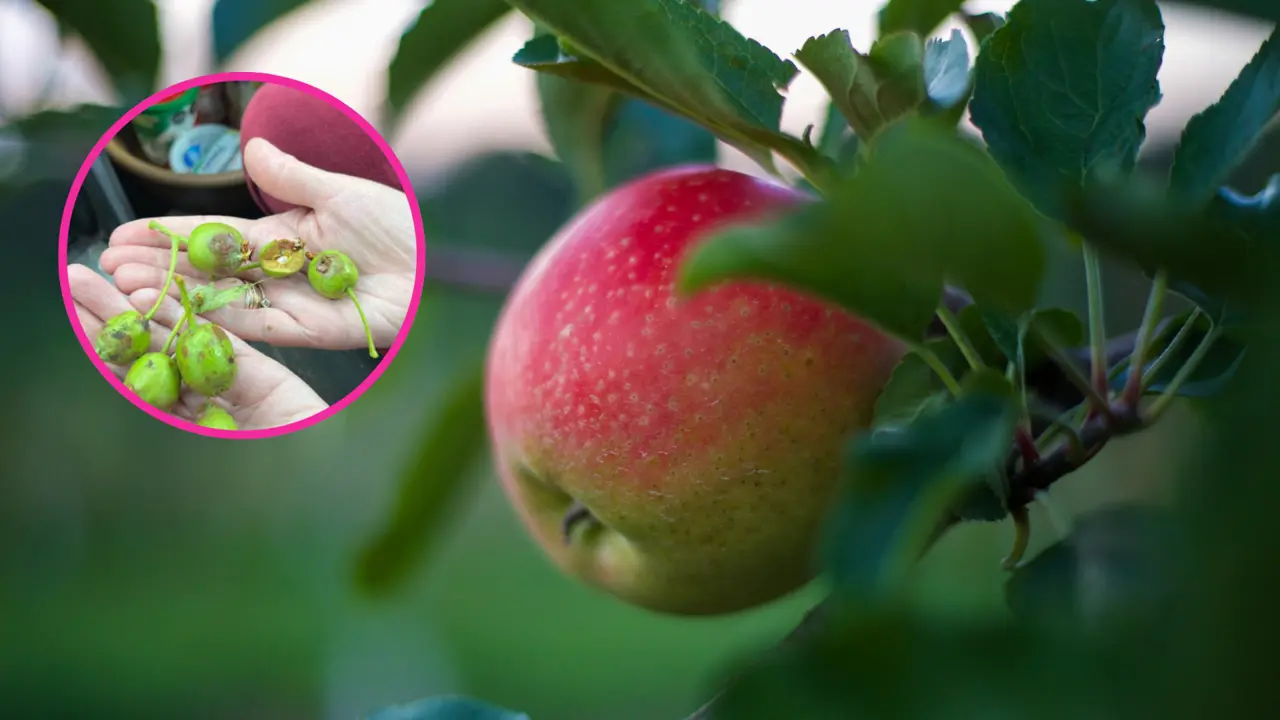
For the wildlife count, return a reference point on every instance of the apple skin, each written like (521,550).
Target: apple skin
(703,433)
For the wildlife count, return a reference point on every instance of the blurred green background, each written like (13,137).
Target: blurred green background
(146,573)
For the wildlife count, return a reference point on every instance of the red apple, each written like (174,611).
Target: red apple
(680,453)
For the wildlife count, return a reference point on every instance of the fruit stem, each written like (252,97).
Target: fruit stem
(187,312)
(1179,339)
(1021,537)
(933,361)
(180,239)
(1184,373)
(1097,321)
(961,338)
(168,278)
(573,517)
(1097,401)
(373,352)
(247,268)
(1138,359)
(168,342)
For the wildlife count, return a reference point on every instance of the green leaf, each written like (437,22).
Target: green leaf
(51,144)
(640,138)
(1065,86)
(123,34)
(975,328)
(902,482)
(235,21)
(1217,140)
(947,78)
(675,54)
(1227,250)
(450,444)
(1213,373)
(921,17)
(983,25)
(913,389)
(1059,326)
(1110,564)
(1004,331)
(835,129)
(897,61)
(871,248)
(848,77)
(442,30)
(1265,9)
(889,665)
(574,114)
(446,708)
(606,139)
(546,54)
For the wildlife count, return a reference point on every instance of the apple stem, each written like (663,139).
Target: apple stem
(373,352)
(168,278)
(175,237)
(1021,537)
(574,516)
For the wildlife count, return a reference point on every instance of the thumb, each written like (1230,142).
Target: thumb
(287,178)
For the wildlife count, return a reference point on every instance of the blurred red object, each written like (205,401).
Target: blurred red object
(315,132)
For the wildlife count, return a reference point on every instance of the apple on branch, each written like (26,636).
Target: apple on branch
(678,452)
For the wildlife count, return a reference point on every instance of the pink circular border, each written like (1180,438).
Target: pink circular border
(174,420)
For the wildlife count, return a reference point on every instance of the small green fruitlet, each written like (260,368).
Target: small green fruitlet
(213,416)
(282,258)
(207,359)
(124,338)
(333,274)
(154,378)
(217,248)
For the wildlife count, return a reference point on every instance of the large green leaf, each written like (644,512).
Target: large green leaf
(902,483)
(449,446)
(1264,9)
(924,208)
(1217,140)
(676,55)
(870,90)
(606,138)
(1063,87)
(235,21)
(443,28)
(574,114)
(1108,567)
(919,16)
(947,77)
(51,144)
(123,34)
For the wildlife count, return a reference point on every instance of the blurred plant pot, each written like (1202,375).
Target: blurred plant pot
(224,193)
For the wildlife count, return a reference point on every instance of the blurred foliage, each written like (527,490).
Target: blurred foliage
(235,21)
(441,31)
(156,583)
(123,34)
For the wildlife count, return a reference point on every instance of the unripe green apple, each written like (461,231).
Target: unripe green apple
(679,453)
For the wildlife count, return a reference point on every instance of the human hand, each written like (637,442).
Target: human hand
(265,393)
(369,222)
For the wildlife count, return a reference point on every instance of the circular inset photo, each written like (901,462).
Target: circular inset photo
(242,255)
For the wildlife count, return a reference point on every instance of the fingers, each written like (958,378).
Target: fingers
(113,258)
(286,177)
(138,232)
(95,293)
